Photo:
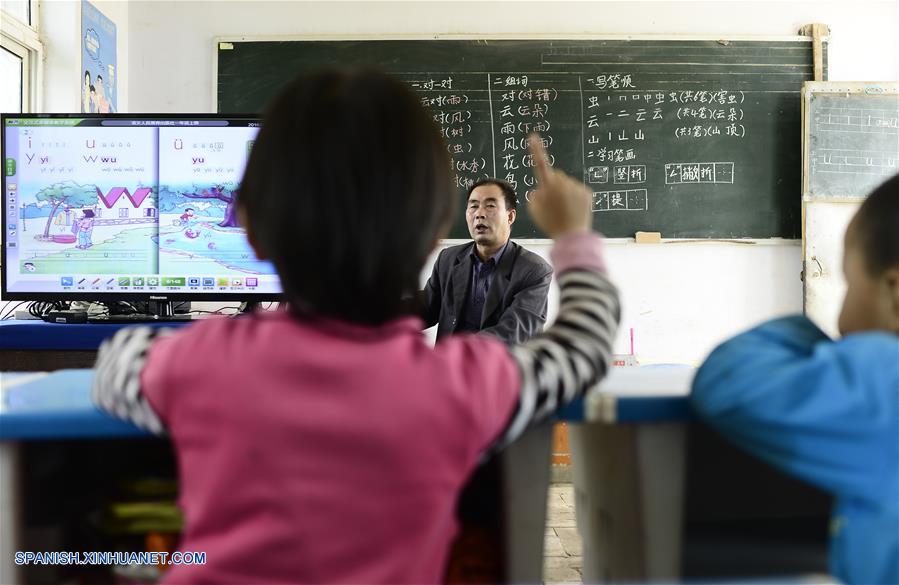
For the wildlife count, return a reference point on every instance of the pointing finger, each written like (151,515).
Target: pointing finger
(539,157)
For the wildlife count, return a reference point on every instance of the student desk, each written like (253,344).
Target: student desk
(629,439)
(628,452)
(36,406)
(57,410)
(41,406)
(662,497)
(57,406)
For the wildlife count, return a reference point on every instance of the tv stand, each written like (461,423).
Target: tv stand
(157,312)
(137,318)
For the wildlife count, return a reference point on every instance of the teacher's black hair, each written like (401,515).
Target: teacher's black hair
(507,189)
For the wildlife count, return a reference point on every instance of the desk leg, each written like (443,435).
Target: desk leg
(503,510)
(525,468)
(10,511)
(629,488)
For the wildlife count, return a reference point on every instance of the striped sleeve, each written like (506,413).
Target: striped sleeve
(117,371)
(571,356)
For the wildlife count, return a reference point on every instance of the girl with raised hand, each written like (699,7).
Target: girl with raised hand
(329,442)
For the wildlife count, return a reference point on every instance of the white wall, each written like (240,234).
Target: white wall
(60,31)
(679,298)
(174,40)
(826,223)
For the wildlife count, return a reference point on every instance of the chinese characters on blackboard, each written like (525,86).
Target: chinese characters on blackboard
(623,133)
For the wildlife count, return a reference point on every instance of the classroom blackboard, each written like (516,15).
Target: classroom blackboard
(851,138)
(691,138)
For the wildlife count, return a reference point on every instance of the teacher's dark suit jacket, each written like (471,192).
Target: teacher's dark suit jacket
(515,308)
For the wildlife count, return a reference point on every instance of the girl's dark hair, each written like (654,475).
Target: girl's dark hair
(347,186)
(88,213)
(876,227)
(506,188)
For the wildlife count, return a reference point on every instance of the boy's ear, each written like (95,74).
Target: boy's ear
(242,221)
(891,278)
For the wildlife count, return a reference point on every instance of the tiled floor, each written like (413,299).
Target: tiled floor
(562,544)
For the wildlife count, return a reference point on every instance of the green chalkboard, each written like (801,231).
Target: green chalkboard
(691,138)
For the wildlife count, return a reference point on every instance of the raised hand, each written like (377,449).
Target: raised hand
(560,204)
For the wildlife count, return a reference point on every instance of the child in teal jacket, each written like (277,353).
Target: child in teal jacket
(827,411)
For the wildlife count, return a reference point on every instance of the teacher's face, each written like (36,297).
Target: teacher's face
(489,222)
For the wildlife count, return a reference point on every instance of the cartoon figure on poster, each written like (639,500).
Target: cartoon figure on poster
(104,105)
(88,95)
(98,61)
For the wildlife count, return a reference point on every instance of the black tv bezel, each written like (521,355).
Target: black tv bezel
(122,295)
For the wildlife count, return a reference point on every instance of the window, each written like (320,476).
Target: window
(20,57)
(18,9)
(11,71)
(123,212)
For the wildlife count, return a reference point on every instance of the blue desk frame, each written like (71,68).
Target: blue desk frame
(56,405)
(40,335)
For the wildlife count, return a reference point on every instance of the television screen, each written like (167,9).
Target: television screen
(139,206)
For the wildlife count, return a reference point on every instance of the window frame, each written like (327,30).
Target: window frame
(22,40)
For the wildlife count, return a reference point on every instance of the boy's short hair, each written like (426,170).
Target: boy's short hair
(507,189)
(346,191)
(876,227)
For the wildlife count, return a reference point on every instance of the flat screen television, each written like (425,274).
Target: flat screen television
(128,207)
